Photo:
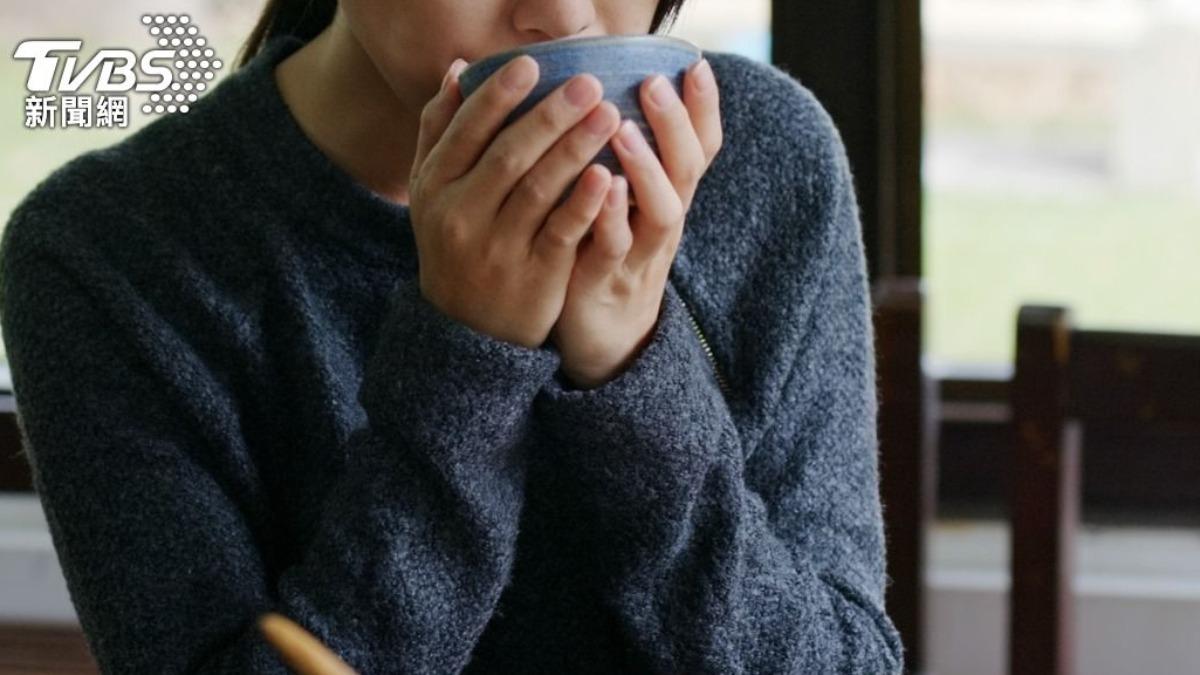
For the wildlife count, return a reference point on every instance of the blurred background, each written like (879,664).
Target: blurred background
(1007,153)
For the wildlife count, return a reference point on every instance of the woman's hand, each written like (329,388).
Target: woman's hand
(494,252)
(617,285)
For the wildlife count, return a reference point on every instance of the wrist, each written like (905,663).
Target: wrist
(603,367)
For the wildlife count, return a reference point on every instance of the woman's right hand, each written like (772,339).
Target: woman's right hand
(494,251)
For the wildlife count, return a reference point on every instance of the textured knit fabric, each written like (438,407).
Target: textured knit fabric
(236,400)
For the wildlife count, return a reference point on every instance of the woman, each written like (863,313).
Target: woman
(650,448)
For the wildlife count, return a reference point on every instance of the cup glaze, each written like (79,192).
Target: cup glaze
(620,62)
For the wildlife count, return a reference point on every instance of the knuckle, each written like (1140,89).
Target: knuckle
(505,162)
(554,235)
(615,249)
(546,116)
(672,216)
(677,213)
(582,146)
(534,188)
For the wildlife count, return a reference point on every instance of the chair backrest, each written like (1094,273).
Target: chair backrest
(1064,379)
(1135,378)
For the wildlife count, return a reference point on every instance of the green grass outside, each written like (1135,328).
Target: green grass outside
(1120,261)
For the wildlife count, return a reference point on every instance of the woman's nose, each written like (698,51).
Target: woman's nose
(554,19)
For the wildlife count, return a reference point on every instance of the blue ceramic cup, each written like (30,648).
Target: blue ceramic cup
(620,62)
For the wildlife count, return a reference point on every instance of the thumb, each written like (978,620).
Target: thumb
(437,114)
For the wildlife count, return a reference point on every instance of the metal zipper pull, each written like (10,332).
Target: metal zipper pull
(707,349)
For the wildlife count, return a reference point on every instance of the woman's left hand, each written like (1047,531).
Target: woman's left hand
(616,287)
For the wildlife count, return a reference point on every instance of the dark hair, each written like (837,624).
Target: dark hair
(306,18)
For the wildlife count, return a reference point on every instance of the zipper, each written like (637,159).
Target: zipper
(707,349)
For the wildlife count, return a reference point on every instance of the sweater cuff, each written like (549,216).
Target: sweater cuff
(664,410)
(439,383)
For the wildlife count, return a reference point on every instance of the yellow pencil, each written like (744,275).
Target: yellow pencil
(299,648)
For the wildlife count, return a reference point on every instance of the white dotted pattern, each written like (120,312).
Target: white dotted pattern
(194,62)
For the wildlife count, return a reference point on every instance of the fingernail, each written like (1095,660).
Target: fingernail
(660,91)
(516,76)
(452,72)
(630,137)
(704,76)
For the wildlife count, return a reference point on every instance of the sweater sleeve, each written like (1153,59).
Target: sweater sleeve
(415,541)
(717,556)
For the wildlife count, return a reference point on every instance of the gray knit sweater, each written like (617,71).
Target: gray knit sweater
(236,400)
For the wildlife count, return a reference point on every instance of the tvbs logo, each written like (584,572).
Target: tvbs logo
(172,76)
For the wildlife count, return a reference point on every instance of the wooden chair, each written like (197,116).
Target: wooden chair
(1066,381)
(908,433)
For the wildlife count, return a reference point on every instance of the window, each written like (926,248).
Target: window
(742,27)
(1062,166)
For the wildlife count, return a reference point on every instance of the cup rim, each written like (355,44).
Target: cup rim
(536,48)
